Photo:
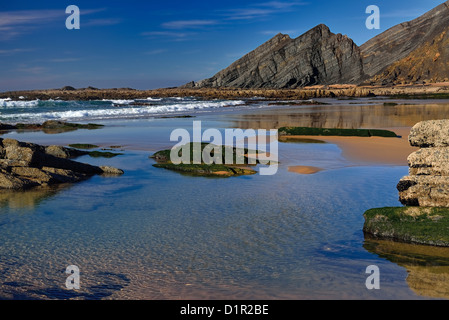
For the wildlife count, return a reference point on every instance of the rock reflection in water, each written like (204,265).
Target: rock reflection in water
(427,266)
(27,199)
(344,116)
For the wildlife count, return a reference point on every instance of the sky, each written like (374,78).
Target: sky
(157,44)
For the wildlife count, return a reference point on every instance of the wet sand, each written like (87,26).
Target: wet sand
(373,150)
(304,169)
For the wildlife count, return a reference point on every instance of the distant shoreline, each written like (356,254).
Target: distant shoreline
(415,91)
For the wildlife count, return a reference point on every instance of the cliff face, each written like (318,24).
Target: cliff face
(316,57)
(411,51)
(397,51)
(429,62)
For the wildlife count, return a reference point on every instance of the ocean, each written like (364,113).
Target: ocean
(157,234)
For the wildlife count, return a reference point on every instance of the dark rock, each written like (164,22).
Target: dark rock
(411,52)
(68,88)
(25,165)
(316,57)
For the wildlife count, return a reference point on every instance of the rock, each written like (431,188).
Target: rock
(420,225)
(430,161)
(10,181)
(65,153)
(111,170)
(432,133)
(163,159)
(68,88)
(25,165)
(22,152)
(424,191)
(6,127)
(428,181)
(316,57)
(411,51)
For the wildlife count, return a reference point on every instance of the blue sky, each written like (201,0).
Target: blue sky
(154,44)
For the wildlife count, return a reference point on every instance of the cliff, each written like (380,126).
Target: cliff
(412,51)
(316,57)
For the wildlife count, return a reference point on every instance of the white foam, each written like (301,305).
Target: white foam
(8,103)
(119,101)
(118,112)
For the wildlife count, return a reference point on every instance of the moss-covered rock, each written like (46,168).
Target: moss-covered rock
(206,170)
(306,131)
(53,126)
(84,146)
(103,154)
(236,168)
(421,225)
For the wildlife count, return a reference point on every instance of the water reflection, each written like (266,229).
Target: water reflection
(427,266)
(27,199)
(343,116)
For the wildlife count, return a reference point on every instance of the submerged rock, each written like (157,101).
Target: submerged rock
(163,159)
(25,165)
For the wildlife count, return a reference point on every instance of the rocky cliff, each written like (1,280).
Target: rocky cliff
(316,57)
(412,51)
(427,184)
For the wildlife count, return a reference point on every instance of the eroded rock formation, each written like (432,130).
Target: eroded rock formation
(26,165)
(427,184)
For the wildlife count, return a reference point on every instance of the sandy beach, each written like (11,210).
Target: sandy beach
(372,150)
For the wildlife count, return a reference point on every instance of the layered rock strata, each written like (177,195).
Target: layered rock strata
(427,184)
(316,57)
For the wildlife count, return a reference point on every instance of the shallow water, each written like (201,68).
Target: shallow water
(156,234)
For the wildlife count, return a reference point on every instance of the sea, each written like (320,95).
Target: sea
(155,234)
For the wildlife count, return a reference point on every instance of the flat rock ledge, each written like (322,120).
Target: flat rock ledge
(424,192)
(26,165)
(419,225)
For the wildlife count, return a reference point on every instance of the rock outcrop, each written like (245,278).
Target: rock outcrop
(411,51)
(427,184)
(26,165)
(316,57)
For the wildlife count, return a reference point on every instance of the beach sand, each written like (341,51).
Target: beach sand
(304,169)
(372,150)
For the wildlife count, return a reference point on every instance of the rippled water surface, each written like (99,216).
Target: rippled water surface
(156,234)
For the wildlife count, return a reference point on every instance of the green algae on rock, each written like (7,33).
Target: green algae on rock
(51,126)
(236,168)
(306,131)
(420,225)
(83,146)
